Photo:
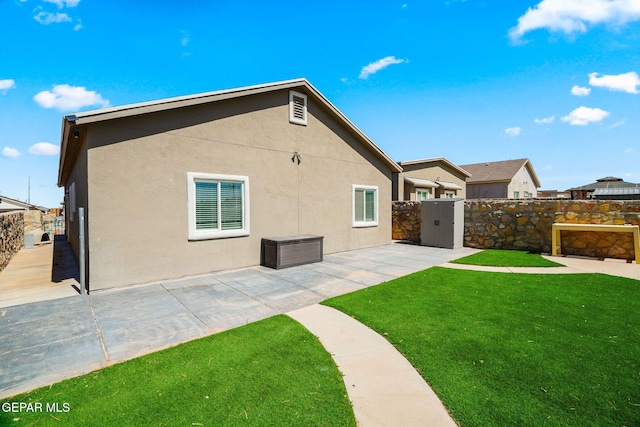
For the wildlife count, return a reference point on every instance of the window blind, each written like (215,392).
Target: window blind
(370,207)
(206,205)
(231,205)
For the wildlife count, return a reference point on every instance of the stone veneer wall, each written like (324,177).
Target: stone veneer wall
(11,236)
(406,221)
(526,225)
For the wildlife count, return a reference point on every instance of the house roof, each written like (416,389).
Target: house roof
(7,204)
(606,182)
(435,160)
(502,171)
(72,122)
(624,191)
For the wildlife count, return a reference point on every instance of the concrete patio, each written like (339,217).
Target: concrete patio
(48,341)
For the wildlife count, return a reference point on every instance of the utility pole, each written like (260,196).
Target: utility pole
(29,191)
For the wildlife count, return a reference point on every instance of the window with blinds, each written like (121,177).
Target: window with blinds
(217,206)
(297,108)
(365,206)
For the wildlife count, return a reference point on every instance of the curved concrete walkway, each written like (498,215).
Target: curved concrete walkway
(384,388)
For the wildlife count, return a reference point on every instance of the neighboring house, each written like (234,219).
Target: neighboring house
(553,194)
(8,205)
(190,185)
(509,179)
(428,179)
(609,188)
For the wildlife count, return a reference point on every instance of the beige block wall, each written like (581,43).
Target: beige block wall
(138,188)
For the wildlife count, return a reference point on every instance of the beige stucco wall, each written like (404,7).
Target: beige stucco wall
(432,171)
(79,176)
(521,182)
(138,186)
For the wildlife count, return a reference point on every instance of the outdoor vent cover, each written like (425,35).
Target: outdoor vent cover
(297,108)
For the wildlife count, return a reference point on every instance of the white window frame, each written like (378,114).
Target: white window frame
(292,116)
(195,234)
(364,223)
(422,190)
(449,194)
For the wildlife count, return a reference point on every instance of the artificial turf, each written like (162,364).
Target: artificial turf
(505,349)
(507,258)
(269,373)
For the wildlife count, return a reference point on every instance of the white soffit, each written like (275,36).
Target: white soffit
(449,185)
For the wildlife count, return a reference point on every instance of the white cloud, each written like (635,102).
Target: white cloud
(185,39)
(63,3)
(582,116)
(44,149)
(571,16)
(78,26)
(545,120)
(65,97)
(514,131)
(47,18)
(628,82)
(378,65)
(7,84)
(620,123)
(10,152)
(580,91)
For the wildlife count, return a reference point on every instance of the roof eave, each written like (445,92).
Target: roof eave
(435,159)
(532,172)
(86,117)
(66,127)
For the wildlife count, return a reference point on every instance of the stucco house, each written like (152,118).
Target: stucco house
(190,185)
(434,178)
(507,179)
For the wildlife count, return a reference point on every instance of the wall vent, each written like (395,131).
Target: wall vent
(298,108)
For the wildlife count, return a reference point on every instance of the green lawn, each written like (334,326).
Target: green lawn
(505,349)
(273,372)
(505,258)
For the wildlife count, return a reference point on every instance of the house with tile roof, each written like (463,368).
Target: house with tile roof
(506,179)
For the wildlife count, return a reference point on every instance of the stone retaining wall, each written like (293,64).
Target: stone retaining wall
(11,236)
(526,225)
(406,223)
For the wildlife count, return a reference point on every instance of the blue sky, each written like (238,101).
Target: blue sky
(473,81)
